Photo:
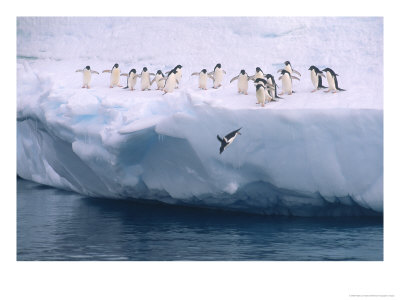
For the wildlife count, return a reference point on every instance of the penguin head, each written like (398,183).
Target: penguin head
(260,81)
(269,76)
(242,72)
(132,71)
(217,66)
(159,72)
(258,69)
(283,72)
(144,69)
(87,67)
(116,65)
(204,71)
(287,63)
(258,86)
(312,68)
(330,71)
(178,67)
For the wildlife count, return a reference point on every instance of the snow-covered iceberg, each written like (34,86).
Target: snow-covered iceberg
(308,154)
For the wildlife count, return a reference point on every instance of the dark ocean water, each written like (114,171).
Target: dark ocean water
(58,225)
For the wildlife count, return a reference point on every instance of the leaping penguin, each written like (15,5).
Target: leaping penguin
(228,139)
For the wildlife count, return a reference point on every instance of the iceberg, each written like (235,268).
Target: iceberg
(310,154)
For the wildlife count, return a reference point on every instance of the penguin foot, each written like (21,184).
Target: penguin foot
(313,91)
(245,93)
(290,93)
(111,86)
(281,93)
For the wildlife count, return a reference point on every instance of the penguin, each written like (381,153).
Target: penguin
(267,88)
(170,82)
(202,78)
(145,79)
(260,94)
(243,82)
(228,139)
(131,80)
(288,67)
(316,78)
(87,76)
(331,77)
(217,76)
(159,79)
(287,82)
(259,74)
(115,74)
(271,80)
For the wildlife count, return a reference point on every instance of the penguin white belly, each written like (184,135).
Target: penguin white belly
(218,75)
(145,83)
(170,84)
(115,77)
(203,81)
(178,76)
(243,84)
(286,84)
(132,82)
(160,83)
(260,94)
(87,75)
(331,81)
(314,78)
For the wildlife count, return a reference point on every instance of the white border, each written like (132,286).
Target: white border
(198,280)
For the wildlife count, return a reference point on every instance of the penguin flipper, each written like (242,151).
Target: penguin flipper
(280,70)
(154,79)
(152,74)
(294,71)
(79,70)
(224,71)
(212,77)
(219,138)
(177,81)
(251,78)
(195,73)
(234,78)
(210,73)
(124,74)
(294,77)
(94,72)
(106,71)
(280,77)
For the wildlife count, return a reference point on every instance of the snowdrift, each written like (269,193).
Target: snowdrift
(309,154)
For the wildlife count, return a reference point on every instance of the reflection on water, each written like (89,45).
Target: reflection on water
(58,225)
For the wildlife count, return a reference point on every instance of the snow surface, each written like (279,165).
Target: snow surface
(308,154)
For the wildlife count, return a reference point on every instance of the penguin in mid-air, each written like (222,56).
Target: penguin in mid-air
(228,139)
(145,79)
(271,80)
(202,78)
(243,82)
(217,76)
(159,79)
(87,76)
(115,74)
(287,86)
(288,67)
(332,81)
(131,80)
(316,78)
